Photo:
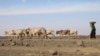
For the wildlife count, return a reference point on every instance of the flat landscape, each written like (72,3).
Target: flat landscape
(53,46)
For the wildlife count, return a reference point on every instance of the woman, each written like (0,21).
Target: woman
(93,30)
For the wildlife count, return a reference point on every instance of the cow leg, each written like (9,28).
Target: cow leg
(36,35)
(53,35)
(69,36)
(45,36)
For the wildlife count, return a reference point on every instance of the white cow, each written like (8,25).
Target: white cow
(73,32)
(50,32)
(63,32)
(37,31)
(16,33)
(20,32)
(69,32)
(9,33)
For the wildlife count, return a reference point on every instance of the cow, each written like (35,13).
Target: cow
(36,31)
(69,32)
(63,32)
(20,32)
(73,32)
(50,32)
(9,33)
(16,33)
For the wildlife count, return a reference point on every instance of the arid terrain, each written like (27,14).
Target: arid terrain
(53,46)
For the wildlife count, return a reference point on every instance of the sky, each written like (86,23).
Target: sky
(51,14)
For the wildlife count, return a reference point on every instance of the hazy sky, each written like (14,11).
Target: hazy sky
(51,14)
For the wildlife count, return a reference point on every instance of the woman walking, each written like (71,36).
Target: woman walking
(93,30)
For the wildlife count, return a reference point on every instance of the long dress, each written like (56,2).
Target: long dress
(93,31)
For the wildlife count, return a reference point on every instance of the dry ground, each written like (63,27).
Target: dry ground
(62,46)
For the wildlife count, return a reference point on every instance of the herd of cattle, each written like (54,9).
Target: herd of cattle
(39,32)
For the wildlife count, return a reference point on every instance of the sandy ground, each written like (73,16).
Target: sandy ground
(50,47)
(33,51)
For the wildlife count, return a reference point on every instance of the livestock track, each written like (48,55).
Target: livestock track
(52,46)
